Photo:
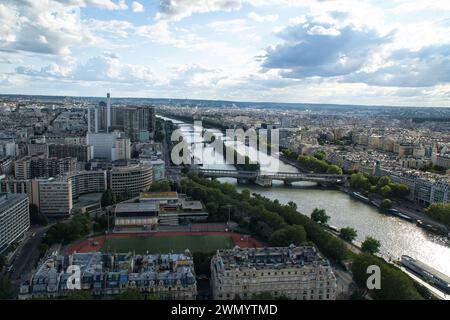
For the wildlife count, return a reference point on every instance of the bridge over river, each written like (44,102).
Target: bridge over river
(265,178)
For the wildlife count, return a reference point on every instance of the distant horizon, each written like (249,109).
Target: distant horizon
(350,52)
(230,101)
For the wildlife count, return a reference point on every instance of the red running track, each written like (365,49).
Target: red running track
(240,240)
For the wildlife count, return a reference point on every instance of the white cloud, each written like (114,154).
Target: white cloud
(107,68)
(47,26)
(233,26)
(179,9)
(103,4)
(263,18)
(137,7)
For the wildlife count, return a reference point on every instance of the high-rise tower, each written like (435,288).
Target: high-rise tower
(108,111)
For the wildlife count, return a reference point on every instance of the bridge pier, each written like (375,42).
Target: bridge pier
(243,181)
(263,182)
(287,183)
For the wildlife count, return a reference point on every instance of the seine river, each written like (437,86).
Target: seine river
(397,236)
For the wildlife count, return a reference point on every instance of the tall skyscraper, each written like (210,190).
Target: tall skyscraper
(139,122)
(108,111)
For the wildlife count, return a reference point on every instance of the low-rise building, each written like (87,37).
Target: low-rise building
(140,215)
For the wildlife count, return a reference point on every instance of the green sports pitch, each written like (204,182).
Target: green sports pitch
(168,244)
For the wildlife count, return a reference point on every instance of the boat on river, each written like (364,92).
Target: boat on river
(359,196)
(428,273)
(397,213)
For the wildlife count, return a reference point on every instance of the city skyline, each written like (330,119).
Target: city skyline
(242,50)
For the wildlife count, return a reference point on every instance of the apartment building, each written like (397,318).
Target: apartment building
(39,166)
(83,153)
(293,272)
(6,165)
(165,276)
(130,180)
(14,218)
(55,196)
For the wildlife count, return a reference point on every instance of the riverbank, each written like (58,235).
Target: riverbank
(397,236)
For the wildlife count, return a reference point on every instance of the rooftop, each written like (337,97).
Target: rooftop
(270,257)
(159,195)
(6,199)
(136,207)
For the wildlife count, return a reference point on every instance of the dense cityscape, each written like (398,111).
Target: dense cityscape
(93,184)
(212,158)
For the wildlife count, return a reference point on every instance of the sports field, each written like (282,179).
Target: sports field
(197,243)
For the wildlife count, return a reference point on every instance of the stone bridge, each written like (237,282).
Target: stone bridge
(266,178)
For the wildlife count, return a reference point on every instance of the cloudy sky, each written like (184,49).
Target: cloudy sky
(328,51)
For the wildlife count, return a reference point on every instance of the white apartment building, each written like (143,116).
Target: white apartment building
(14,218)
(55,196)
(103,144)
(294,272)
(130,180)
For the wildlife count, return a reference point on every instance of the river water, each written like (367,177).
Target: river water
(397,236)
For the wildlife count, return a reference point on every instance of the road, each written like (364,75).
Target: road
(27,255)
(345,284)
(407,207)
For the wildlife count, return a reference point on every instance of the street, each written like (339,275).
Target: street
(27,255)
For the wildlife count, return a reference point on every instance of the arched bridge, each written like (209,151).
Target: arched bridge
(266,178)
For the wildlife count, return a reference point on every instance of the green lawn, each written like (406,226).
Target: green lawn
(168,244)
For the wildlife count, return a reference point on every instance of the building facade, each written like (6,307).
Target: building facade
(55,196)
(165,276)
(39,166)
(293,272)
(88,182)
(130,180)
(14,218)
(83,153)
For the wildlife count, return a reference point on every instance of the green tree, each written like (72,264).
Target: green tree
(130,294)
(79,295)
(386,191)
(262,296)
(399,190)
(385,205)
(333,169)
(370,245)
(6,288)
(293,205)
(440,212)
(160,186)
(108,198)
(320,216)
(320,155)
(36,217)
(348,234)
(384,181)
(288,235)
(395,285)
(2,262)
(359,181)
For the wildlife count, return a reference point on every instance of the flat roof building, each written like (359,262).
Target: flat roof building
(143,214)
(14,218)
(130,180)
